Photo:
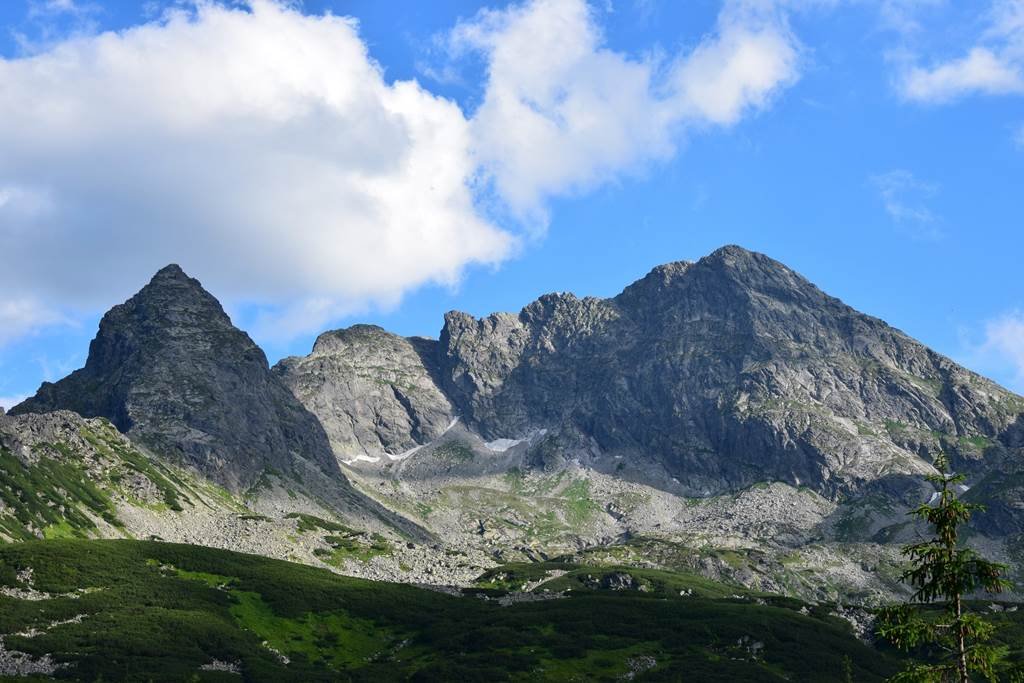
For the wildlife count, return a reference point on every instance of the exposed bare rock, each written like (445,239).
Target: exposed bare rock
(373,392)
(724,416)
(168,368)
(714,375)
(19,664)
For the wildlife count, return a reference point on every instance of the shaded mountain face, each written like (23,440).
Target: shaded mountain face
(704,377)
(170,370)
(375,393)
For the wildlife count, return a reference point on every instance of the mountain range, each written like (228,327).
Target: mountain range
(723,415)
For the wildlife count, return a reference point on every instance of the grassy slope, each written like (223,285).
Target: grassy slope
(159,611)
(52,496)
(56,496)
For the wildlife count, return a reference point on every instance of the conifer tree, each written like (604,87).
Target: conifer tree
(942,574)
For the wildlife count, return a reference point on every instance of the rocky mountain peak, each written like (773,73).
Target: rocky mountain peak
(733,254)
(374,392)
(657,281)
(169,368)
(172,271)
(720,372)
(737,262)
(340,341)
(706,376)
(171,282)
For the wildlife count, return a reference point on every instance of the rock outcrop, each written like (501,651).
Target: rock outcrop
(722,373)
(169,369)
(705,377)
(375,393)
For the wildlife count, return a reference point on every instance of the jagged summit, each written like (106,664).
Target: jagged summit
(176,282)
(715,373)
(734,253)
(169,368)
(171,271)
(374,392)
(337,340)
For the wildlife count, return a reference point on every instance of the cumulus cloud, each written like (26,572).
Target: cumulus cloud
(1002,349)
(994,66)
(20,316)
(264,150)
(260,147)
(981,71)
(561,112)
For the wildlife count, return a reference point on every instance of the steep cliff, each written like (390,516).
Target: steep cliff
(169,369)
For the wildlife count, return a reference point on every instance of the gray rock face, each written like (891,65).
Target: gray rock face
(169,369)
(721,373)
(374,392)
(711,375)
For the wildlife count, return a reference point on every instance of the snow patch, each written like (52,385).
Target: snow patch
(395,457)
(963,488)
(361,456)
(502,445)
(405,454)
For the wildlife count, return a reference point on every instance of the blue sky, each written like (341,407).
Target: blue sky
(314,172)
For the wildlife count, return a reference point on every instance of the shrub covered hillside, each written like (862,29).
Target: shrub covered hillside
(113,610)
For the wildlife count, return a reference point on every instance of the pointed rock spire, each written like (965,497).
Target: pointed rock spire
(169,368)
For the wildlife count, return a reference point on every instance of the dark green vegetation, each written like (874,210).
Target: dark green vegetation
(106,441)
(49,496)
(454,452)
(557,576)
(65,491)
(155,611)
(313,523)
(345,542)
(1007,635)
(955,642)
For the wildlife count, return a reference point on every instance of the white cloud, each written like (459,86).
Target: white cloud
(905,198)
(260,148)
(993,66)
(1002,349)
(8,402)
(562,113)
(264,151)
(20,316)
(981,71)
